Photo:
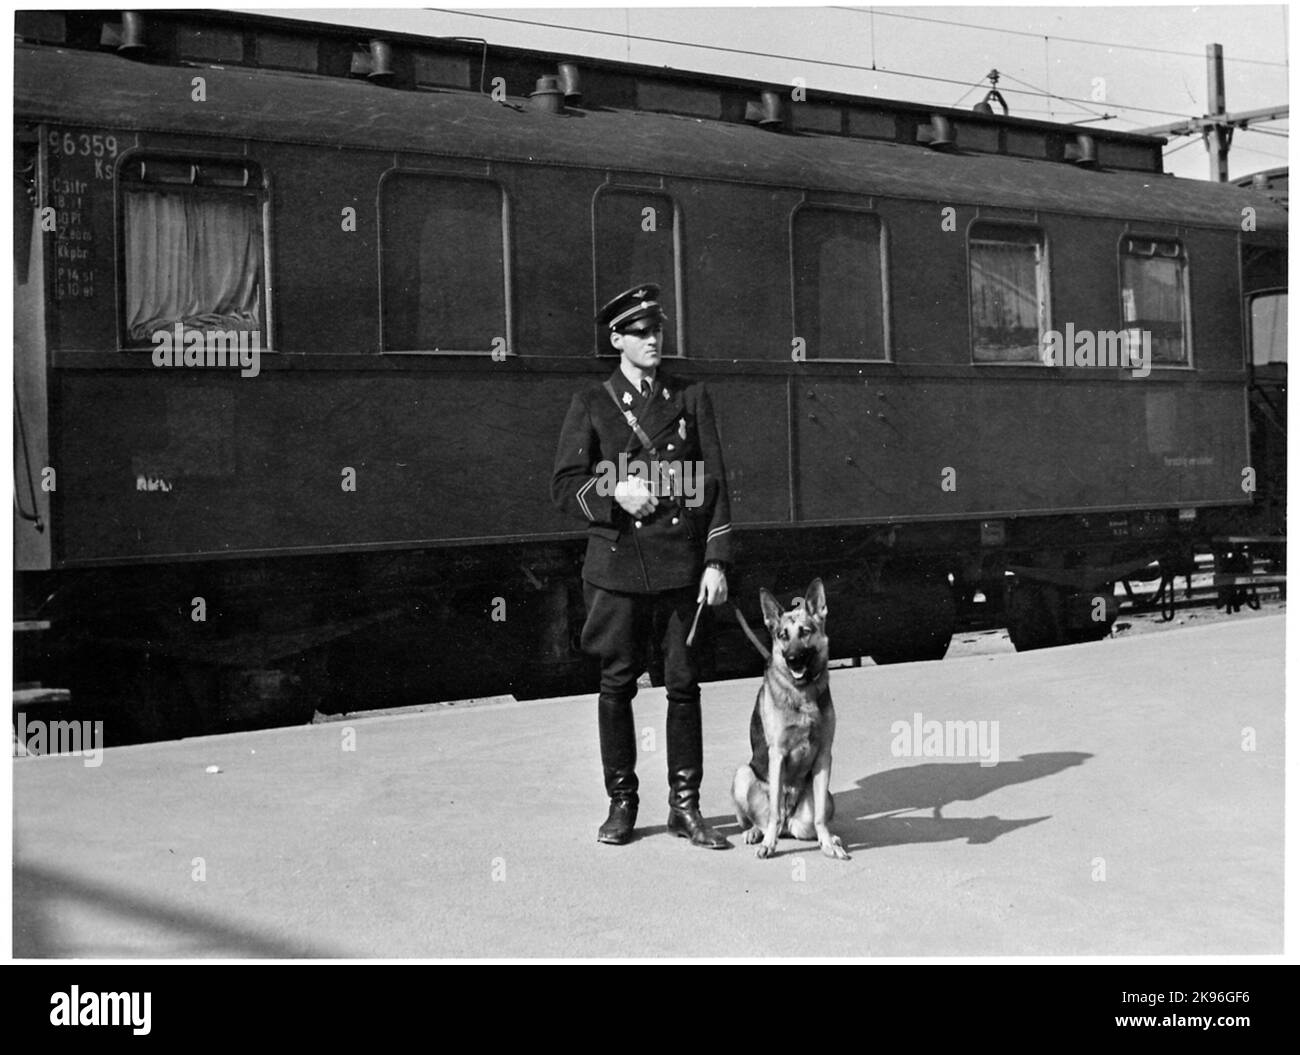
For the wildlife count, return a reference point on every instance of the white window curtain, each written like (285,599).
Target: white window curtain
(195,259)
(1005,301)
(1154,300)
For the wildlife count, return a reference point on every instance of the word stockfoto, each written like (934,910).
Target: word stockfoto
(1127,349)
(181,347)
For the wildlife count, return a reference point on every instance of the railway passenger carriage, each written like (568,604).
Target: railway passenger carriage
(413,234)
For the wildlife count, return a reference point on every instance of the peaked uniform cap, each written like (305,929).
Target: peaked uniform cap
(630,306)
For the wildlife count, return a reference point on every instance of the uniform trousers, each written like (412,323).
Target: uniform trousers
(624,630)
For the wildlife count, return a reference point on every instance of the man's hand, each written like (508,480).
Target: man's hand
(634,495)
(713,586)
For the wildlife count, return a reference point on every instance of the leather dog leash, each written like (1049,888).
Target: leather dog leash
(744,625)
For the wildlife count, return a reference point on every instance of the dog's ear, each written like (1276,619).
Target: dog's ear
(772,610)
(814,601)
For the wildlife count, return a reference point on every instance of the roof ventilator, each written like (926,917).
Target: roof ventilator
(571,83)
(126,36)
(1083,151)
(376,63)
(937,135)
(547,98)
(769,110)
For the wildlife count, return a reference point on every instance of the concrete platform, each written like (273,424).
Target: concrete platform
(1136,808)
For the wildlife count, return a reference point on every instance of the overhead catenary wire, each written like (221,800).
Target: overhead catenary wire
(1053,95)
(1052,36)
(976,85)
(1264,153)
(786,58)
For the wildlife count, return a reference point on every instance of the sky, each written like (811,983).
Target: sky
(1125,68)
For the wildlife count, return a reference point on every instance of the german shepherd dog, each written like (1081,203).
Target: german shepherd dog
(785,788)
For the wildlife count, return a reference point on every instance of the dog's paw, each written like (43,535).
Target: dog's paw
(753,835)
(835,848)
(765,850)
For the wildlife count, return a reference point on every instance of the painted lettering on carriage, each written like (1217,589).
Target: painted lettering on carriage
(74,235)
(151,482)
(69,186)
(71,253)
(72,143)
(180,346)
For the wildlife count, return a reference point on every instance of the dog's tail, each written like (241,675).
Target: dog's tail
(744,625)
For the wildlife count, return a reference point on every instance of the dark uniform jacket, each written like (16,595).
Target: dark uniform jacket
(667,549)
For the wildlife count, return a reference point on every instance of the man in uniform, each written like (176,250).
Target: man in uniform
(657,549)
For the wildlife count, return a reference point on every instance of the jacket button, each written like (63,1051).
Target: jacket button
(638,523)
(671,447)
(674,520)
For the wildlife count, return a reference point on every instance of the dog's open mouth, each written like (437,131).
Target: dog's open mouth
(798,669)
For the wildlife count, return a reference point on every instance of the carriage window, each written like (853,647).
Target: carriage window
(635,241)
(838,288)
(1008,291)
(193,247)
(443,264)
(1268,329)
(1153,291)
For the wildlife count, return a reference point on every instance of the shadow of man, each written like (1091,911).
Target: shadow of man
(869,815)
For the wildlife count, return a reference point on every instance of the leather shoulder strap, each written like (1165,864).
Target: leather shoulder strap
(631,420)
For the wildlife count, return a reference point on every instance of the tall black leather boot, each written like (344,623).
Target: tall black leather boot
(618,758)
(685,772)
